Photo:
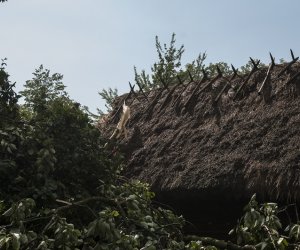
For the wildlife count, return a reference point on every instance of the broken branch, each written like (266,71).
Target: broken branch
(267,78)
(219,243)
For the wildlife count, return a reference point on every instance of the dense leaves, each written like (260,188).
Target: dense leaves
(53,143)
(60,188)
(261,226)
(8,99)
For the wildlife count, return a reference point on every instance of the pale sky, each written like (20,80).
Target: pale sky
(96,43)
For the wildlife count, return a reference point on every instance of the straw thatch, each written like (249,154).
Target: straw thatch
(224,150)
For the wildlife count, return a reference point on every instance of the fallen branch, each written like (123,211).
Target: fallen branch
(82,202)
(218,243)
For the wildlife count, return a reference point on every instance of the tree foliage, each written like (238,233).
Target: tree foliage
(165,70)
(109,97)
(8,99)
(61,189)
(169,62)
(169,66)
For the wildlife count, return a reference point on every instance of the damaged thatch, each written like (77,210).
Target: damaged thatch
(226,142)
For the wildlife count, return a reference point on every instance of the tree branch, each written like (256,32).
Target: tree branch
(80,203)
(219,243)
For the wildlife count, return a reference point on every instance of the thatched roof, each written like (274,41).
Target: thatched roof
(242,144)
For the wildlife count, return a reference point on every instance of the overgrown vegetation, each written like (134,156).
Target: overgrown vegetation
(61,189)
(168,68)
(109,97)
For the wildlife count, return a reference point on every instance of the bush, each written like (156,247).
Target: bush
(61,189)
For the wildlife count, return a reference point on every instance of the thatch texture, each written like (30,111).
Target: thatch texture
(225,150)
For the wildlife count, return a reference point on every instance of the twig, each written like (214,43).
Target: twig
(190,75)
(49,224)
(79,203)
(270,236)
(296,211)
(122,212)
(169,225)
(7,226)
(284,209)
(36,218)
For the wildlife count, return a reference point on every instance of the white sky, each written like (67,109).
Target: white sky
(96,43)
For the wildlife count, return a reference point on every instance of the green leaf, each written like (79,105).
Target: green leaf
(9,150)
(30,151)
(12,147)
(2,242)
(282,241)
(115,213)
(15,241)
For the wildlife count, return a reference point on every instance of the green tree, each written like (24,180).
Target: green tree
(109,97)
(143,80)
(43,89)
(245,69)
(8,99)
(169,62)
(165,70)
(195,68)
(61,189)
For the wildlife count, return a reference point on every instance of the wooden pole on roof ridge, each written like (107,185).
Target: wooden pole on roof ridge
(228,83)
(255,68)
(142,91)
(177,99)
(204,78)
(294,60)
(212,80)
